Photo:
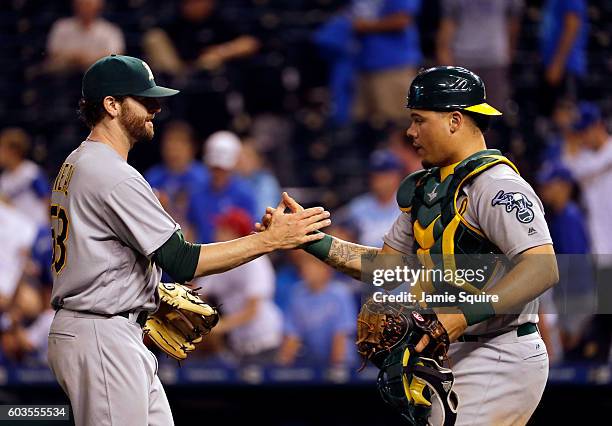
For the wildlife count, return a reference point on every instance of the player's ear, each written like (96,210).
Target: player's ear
(112,106)
(455,120)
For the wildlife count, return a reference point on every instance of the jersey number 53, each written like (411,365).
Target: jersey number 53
(59,233)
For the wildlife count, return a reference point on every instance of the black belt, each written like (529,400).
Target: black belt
(522,330)
(141,319)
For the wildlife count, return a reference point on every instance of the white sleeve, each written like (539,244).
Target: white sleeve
(586,165)
(27,233)
(260,279)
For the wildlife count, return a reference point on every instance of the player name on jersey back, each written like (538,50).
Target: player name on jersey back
(62,181)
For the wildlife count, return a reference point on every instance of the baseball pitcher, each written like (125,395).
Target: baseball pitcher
(111,240)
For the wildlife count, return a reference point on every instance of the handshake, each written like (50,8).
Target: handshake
(282,229)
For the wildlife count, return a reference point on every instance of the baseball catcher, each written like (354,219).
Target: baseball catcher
(470,208)
(181,321)
(387,336)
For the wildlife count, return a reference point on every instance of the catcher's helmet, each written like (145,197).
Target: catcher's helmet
(448,89)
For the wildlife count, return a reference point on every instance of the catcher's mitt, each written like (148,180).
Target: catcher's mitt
(381,327)
(387,335)
(181,320)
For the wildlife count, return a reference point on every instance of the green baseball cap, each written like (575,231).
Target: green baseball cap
(118,75)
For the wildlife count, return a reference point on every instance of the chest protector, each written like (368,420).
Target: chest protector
(443,238)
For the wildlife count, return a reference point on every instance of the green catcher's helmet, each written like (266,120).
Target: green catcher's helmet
(448,89)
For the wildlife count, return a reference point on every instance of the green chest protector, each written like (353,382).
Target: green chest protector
(441,232)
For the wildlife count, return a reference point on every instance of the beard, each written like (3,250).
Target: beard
(135,126)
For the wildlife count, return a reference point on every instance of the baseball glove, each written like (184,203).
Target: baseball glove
(387,335)
(381,327)
(181,321)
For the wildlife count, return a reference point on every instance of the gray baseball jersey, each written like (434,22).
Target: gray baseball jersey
(511,229)
(106,224)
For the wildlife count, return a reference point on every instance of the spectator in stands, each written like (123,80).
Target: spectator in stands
(199,38)
(374,212)
(549,326)
(22,182)
(563,42)
(204,53)
(589,158)
(17,234)
(179,174)
(336,44)
(223,189)
(574,295)
(288,274)
(320,322)
(76,42)
(265,185)
(287,277)
(388,59)
(562,129)
(41,257)
(250,319)
(481,35)
(25,327)
(565,219)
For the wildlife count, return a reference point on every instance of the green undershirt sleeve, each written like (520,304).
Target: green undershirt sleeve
(178,258)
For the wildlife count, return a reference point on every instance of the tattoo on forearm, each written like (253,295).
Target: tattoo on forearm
(346,257)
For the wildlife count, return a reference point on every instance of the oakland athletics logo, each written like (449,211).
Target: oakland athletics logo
(459,84)
(515,200)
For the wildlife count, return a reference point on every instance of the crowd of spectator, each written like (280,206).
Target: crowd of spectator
(309,95)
